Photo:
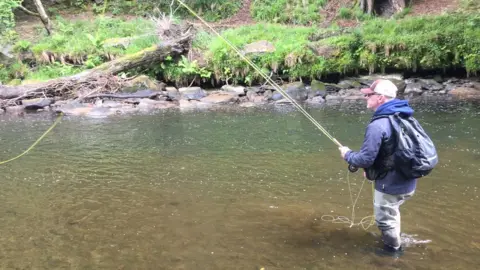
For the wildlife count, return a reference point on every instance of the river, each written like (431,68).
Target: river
(226,189)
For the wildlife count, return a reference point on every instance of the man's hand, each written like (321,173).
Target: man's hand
(343,151)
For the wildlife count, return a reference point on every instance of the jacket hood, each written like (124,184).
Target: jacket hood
(394,106)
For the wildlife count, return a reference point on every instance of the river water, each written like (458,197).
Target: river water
(226,189)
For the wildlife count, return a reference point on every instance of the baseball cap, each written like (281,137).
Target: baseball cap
(382,87)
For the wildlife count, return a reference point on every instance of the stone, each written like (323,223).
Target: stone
(276,96)
(268,94)
(251,95)
(239,90)
(196,93)
(296,90)
(316,100)
(317,88)
(413,89)
(6,55)
(465,93)
(261,46)
(220,97)
(141,82)
(431,85)
(35,104)
(349,83)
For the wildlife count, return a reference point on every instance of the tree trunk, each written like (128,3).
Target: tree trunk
(398,5)
(43,16)
(85,81)
(370,4)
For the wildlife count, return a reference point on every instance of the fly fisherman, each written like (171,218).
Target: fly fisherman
(392,188)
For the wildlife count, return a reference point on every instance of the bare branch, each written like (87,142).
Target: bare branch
(24,9)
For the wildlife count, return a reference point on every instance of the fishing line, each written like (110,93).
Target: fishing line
(365,222)
(267,78)
(341,219)
(36,142)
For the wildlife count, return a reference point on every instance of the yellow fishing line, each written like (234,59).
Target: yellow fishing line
(36,142)
(364,222)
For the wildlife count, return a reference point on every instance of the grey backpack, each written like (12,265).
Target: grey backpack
(415,155)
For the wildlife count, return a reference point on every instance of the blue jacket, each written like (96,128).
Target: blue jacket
(377,132)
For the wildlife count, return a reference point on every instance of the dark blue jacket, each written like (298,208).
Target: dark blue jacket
(378,132)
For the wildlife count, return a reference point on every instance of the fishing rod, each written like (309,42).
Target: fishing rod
(351,168)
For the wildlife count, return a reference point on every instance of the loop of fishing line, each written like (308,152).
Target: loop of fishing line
(35,143)
(365,222)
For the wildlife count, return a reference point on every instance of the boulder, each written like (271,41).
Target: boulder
(414,89)
(36,104)
(195,93)
(239,90)
(220,97)
(349,83)
(465,93)
(173,93)
(296,90)
(431,85)
(315,100)
(144,82)
(317,88)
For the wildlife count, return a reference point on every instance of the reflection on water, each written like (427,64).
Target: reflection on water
(224,190)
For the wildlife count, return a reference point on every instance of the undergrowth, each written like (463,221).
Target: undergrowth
(411,43)
(447,41)
(302,12)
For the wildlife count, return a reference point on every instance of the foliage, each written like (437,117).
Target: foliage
(447,41)
(303,12)
(52,71)
(7,21)
(470,5)
(211,10)
(290,48)
(82,38)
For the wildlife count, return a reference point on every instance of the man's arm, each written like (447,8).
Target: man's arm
(369,151)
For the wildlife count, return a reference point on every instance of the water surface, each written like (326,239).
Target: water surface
(231,189)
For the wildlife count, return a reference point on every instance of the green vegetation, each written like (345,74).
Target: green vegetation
(302,12)
(7,21)
(302,51)
(76,46)
(211,10)
(409,44)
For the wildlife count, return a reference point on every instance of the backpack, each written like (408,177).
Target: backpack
(415,155)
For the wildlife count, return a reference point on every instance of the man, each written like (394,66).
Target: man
(391,188)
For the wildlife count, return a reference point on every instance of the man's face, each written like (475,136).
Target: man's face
(374,100)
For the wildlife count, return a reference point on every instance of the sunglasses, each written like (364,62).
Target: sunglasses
(369,95)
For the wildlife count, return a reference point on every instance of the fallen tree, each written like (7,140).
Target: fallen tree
(176,41)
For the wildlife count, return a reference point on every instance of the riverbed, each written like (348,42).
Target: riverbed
(241,188)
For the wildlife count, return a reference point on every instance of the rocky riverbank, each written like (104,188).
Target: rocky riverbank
(315,93)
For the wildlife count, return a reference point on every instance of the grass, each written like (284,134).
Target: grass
(411,43)
(414,43)
(300,12)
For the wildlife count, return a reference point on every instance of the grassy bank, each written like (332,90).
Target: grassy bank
(413,43)
(441,42)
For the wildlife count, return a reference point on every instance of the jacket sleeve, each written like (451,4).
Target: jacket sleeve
(370,148)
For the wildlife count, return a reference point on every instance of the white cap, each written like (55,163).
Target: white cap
(382,87)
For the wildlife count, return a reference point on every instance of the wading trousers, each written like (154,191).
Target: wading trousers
(387,216)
